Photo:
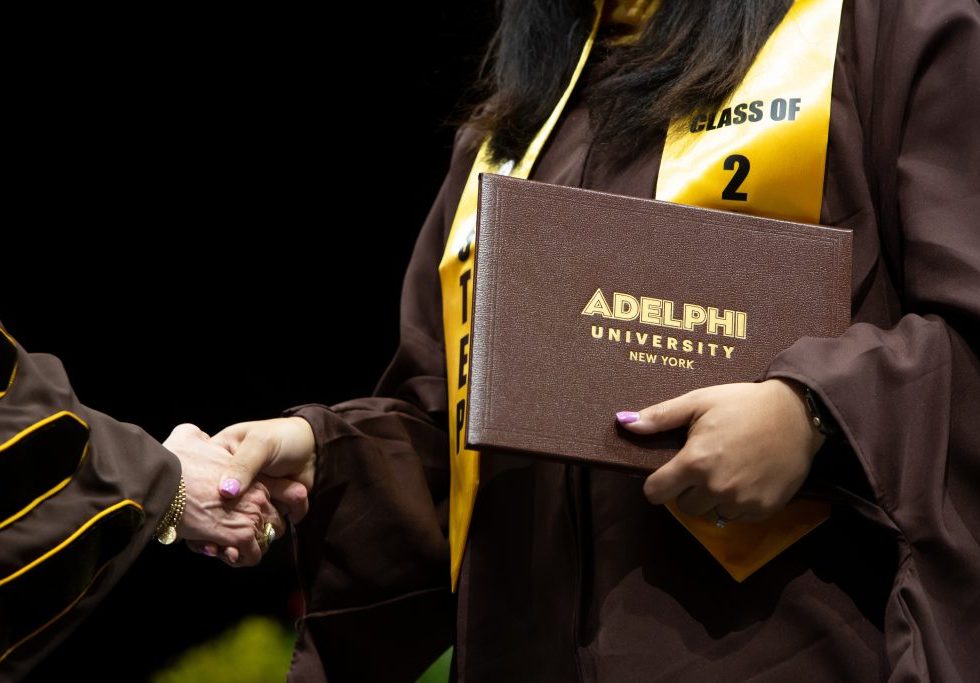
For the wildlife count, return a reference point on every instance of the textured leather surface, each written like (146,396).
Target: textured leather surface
(541,383)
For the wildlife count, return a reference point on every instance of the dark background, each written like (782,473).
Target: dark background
(208,217)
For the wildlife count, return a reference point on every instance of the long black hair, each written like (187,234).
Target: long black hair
(690,56)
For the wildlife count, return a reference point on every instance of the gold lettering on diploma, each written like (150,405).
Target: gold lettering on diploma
(666,313)
(677,317)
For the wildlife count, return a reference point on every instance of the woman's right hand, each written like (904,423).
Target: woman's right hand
(281,448)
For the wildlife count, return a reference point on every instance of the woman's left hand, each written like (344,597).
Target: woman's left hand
(749,448)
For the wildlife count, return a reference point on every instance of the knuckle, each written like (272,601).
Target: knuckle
(220,535)
(746,500)
(240,538)
(258,496)
(276,519)
(715,487)
(656,413)
(769,504)
(700,460)
(183,431)
(255,520)
(723,487)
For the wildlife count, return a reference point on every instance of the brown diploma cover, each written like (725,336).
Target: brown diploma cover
(586,303)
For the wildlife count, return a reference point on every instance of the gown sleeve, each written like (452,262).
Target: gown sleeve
(373,551)
(907,395)
(80,496)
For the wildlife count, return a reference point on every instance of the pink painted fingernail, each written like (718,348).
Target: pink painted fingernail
(210,551)
(627,416)
(231,487)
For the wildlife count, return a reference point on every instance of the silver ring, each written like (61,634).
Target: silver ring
(720,521)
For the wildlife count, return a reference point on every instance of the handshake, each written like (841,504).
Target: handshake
(242,484)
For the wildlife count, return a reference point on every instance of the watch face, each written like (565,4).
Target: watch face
(168,535)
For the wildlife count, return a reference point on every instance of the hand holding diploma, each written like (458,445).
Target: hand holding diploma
(749,448)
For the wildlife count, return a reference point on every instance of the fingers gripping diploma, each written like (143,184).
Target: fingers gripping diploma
(749,448)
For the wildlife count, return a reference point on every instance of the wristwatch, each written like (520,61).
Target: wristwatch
(166,531)
(820,417)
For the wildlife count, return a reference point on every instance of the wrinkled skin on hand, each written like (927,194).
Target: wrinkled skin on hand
(215,525)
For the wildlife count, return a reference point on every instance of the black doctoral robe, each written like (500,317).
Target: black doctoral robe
(569,573)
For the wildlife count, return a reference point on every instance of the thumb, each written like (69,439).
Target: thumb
(231,436)
(670,414)
(249,457)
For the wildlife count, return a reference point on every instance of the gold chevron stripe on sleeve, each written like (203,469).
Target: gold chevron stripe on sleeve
(8,362)
(47,588)
(38,462)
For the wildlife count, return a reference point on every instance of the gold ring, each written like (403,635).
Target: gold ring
(268,536)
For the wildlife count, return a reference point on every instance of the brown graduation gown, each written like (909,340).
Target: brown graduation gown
(570,574)
(122,462)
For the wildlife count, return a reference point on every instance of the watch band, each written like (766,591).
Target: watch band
(820,417)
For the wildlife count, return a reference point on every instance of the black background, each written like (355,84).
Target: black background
(208,218)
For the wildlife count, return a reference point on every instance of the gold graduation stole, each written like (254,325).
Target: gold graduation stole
(762,152)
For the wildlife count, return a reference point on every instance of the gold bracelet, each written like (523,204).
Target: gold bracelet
(166,531)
